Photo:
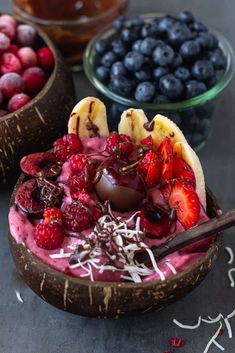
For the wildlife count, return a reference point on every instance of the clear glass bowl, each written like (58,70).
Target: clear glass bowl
(194,116)
(70,24)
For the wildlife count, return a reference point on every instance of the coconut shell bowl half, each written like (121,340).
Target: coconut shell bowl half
(36,125)
(110,299)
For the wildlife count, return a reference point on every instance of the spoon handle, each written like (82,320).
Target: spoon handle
(190,236)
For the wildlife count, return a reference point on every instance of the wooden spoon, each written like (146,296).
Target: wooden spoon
(190,236)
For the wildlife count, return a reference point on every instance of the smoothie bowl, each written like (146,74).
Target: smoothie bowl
(81,214)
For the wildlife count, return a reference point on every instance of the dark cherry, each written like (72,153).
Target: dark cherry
(121,185)
(155,220)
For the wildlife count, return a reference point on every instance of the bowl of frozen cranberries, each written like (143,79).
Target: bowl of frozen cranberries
(32,75)
(174,65)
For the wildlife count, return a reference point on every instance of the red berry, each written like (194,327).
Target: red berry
(84,164)
(83,197)
(155,221)
(40,165)
(120,145)
(48,236)
(165,188)
(4,43)
(26,35)
(9,19)
(177,342)
(79,182)
(10,63)
(186,203)
(183,171)
(77,217)
(45,58)
(147,142)
(66,146)
(7,28)
(34,79)
(11,84)
(18,101)
(13,49)
(166,152)
(150,167)
(53,215)
(27,56)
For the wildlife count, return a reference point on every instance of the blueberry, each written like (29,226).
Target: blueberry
(190,50)
(179,34)
(121,85)
(143,75)
(102,73)
(182,73)
(108,59)
(136,45)
(186,17)
(148,30)
(136,21)
(144,92)
(163,55)
(101,46)
(161,99)
(199,26)
(118,69)
(194,88)
(207,41)
(128,35)
(159,72)
(171,86)
(218,60)
(166,24)
(203,70)
(211,82)
(147,46)
(118,23)
(133,61)
(178,61)
(119,47)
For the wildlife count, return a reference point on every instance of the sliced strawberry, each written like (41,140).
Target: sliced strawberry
(186,203)
(150,167)
(166,188)
(183,171)
(166,152)
(147,141)
(155,221)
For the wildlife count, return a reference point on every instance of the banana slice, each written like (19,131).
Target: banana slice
(162,127)
(89,118)
(190,157)
(132,123)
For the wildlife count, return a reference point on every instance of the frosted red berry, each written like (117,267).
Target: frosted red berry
(67,146)
(77,217)
(7,28)
(10,63)
(4,43)
(27,56)
(18,101)
(34,79)
(120,145)
(45,58)
(49,236)
(11,84)
(26,35)
(53,215)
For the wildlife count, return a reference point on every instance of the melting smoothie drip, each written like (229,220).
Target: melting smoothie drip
(112,246)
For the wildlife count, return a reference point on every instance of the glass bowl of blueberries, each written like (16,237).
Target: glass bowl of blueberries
(172,65)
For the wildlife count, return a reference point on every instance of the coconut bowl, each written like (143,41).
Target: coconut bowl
(41,121)
(110,299)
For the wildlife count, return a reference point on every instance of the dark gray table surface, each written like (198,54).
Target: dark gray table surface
(36,327)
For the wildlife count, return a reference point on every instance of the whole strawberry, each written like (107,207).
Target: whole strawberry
(150,167)
(49,236)
(119,145)
(66,146)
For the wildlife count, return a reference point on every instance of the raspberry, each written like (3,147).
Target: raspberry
(84,164)
(48,236)
(177,342)
(119,144)
(79,182)
(53,215)
(77,217)
(66,146)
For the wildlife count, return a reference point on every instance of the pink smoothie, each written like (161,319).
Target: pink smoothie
(22,229)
